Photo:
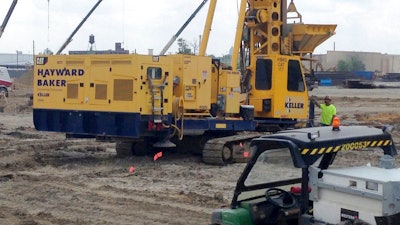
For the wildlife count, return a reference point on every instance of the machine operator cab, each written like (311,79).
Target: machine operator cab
(317,175)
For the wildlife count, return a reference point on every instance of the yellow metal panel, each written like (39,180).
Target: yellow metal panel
(231,90)
(285,104)
(195,80)
(190,93)
(233,80)
(72,91)
(220,125)
(123,90)
(306,37)
(74,94)
(72,62)
(101,91)
(214,84)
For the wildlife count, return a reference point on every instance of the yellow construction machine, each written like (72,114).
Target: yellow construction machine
(147,102)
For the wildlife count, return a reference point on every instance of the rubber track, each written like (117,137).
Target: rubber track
(212,151)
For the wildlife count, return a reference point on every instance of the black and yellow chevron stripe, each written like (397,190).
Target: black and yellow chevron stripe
(346,147)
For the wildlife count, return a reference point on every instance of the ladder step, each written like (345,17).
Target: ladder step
(158,108)
(158,85)
(157,97)
(157,121)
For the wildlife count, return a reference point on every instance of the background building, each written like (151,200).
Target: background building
(379,63)
(17,64)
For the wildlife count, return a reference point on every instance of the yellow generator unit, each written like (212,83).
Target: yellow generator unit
(102,94)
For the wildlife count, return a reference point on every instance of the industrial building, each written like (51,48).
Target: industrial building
(373,61)
(16,63)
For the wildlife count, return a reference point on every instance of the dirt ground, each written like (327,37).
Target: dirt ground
(46,179)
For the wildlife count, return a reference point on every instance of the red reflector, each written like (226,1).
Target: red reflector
(297,189)
(246,154)
(149,125)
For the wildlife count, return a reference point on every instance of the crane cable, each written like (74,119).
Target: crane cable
(178,112)
(178,116)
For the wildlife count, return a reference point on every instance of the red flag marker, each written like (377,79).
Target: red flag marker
(157,156)
(131,169)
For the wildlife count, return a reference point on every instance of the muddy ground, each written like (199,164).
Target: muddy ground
(46,179)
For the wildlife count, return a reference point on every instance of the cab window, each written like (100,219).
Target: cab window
(154,72)
(271,166)
(263,74)
(295,77)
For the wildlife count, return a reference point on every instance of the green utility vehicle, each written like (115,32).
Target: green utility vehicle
(318,176)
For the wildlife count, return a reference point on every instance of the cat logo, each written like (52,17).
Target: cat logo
(41,60)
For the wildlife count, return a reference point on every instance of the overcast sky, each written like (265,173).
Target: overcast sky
(363,25)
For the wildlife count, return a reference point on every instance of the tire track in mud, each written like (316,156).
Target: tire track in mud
(61,185)
(76,180)
(61,200)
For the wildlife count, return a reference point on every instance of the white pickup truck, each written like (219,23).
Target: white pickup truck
(5,81)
